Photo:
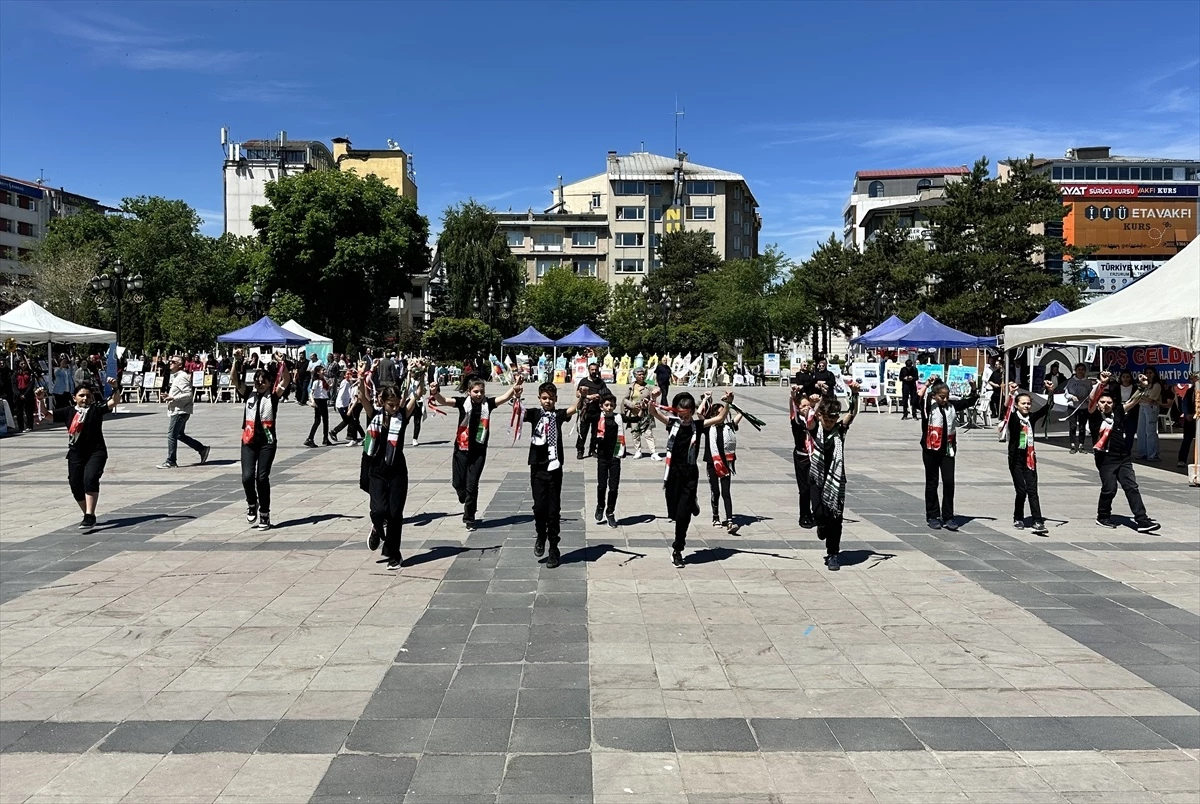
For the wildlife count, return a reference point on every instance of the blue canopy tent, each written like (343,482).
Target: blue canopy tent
(923,332)
(1053,310)
(263,332)
(530,337)
(891,325)
(582,337)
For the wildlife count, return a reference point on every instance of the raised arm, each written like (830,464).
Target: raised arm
(418,391)
(849,415)
(719,415)
(115,394)
(512,391)
(284,378)
(364,397)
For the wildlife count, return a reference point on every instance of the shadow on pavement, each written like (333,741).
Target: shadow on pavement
(516,519)
(595,552)
(850,558)
(440,552)
(425,517)
(710,554)
(314,519)
(130,521)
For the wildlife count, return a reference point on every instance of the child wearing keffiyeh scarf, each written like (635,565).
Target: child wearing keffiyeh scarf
(1022,461)
(610,449)
(720,455)
(827,472)
(545,468)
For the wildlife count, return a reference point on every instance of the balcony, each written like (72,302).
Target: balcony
(548,247)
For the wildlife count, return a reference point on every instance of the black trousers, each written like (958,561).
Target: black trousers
(417,415)
(1189,435)
(1078,425)
(908,398)
(546,485)
(680,491)
(588,424)
(801,463)
(829,530)
(22,408)
(994,404)
(302,389)
(1130,426)
(938,465)
(350,425)
(256,475)
(84,471)
(388,487)
(1117,470)
(608,480)
(718,490)
(321,418)
(464,477)
(1025,484)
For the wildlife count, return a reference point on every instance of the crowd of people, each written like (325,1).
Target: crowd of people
(396,393)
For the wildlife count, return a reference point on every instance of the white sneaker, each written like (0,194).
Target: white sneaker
(656,457)
(414,442)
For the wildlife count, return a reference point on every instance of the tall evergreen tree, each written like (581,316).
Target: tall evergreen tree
(475,255)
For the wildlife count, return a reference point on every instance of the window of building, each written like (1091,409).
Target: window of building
(875,189)
(630,266)
(737,216)
(1089,173)
(595,200)
(25,202)
(1168,174)
(737,192)
(1190,174)
(746,228)
(516,239)
(548,241)
(924,184)
(1123,174)
(629,188)
(542,266)
(737,242)
(1135,173)
(5,197)
(1101,174)
(585,267)
(656,188)
(656,214)
(583,239)
(1156,174)
(656,240)
(746,252)
(711,237)
(630,239)
(1056,173)
(631,213)
(655,265)
(701,213)
(5,252)
(26,229)
(5,225)
(701,187)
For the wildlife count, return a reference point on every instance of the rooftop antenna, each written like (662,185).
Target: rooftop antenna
(678,114)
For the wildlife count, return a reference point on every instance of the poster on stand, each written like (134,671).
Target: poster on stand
(927,370)
(579,368)
(771,364)
(891,380)
(960,380)
(867,377)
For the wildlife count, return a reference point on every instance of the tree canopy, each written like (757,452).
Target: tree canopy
(562,301)
(475,255)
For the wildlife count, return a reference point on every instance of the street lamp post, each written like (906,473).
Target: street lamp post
(253,304)
(118,285)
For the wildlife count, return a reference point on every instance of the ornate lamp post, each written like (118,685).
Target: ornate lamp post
(253,305)
(118,285)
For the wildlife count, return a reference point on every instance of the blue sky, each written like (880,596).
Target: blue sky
(495,100)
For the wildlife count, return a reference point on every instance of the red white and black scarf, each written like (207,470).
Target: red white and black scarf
(674,426)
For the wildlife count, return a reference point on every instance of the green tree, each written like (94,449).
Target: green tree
(192,326)
(826,279)
(476,258)
(686,256)
(459,338)
(561,300)
(344,244)
(746,299)
(629,318)
(991,250)
(889,278)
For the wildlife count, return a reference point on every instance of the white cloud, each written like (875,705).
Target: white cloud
(269,91)
(212,221)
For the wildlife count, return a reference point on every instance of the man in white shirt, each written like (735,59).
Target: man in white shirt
(179,399)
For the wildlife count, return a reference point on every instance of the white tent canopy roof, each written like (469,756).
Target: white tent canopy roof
(295,327)
(1161,307)
(32,323)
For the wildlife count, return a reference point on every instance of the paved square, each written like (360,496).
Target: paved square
(176,654)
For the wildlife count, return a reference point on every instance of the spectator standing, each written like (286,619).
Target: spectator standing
(908,389)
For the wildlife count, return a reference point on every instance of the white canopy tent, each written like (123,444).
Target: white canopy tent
(318,344)
(32,323)
(1161,307)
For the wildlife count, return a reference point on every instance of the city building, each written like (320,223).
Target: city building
(250,165)
(609,225)
(392,165)
(903,193)
(27,208)
(1136,212)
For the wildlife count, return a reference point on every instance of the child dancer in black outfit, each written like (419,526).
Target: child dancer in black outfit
(720,454)
(1112,452)
(545,468)
(1022,462)
(682,473)
(387,470)
(802,414)
(827,472)
(938,447)
(259,440)
(471,440)
(610,449)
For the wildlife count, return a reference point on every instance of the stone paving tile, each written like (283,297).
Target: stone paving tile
(984,653)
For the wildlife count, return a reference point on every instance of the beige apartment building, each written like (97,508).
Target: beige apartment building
(609,225)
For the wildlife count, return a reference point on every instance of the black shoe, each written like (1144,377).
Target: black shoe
(950,524)
(579,456)
(552,560)
(471,524)
(696,509)
(717,522)
(204,455)
(1039,528)
(333,437)
(599,516)
(395,562)
(326,444)
(1105,522)
(539,546)
(1019,524)
(832,563)
(252,514)
(310,443)
(264,521)
(934,523)
(88,522)
(1145,526)
(373,540)
(611,518)
(677,558)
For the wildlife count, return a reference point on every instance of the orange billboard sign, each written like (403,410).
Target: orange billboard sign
(1131,227)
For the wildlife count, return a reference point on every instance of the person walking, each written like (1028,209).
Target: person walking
(1113,459)
(87,454)
(939,445)
(64,382)
(301,380)
(720,457)
(1078,391)
(1022,459)
(318,400)
(638,399)
(610,449)
(23,386)
(347,397)
(909,401)
(996,383)
(827,472)
(259,439)
(592,387)
(801,415)
(546,468)
(179,400)
(1150,405)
